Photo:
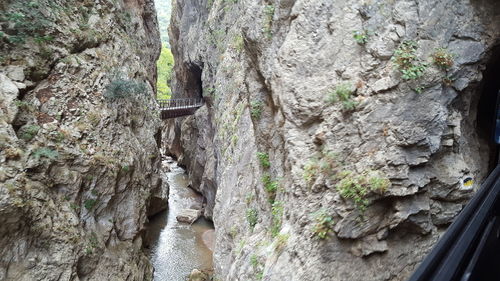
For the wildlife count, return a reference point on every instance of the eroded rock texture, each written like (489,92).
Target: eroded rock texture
(267,69)
(78,156)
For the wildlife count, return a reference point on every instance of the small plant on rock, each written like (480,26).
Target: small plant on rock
(123,88)
(89,204)
(256,109)
(406,60)
(252,217)
(264,160)
(442,58)
(28,132)
(357,187)
(323,224)
(281,241)
(268,20)
(270,185)
(361,37)
(324,163)
(343,93)
(277,213)
(45,152)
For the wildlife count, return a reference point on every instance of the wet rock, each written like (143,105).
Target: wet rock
(197,275)
(188,215)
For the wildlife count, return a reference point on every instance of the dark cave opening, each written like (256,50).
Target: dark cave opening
(488,104)
(193,84)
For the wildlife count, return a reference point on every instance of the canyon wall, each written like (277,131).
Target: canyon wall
(339,138)
(79,159)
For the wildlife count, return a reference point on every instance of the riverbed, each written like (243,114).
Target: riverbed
(177,248)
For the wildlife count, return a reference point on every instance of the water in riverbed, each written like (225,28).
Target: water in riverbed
(177,248)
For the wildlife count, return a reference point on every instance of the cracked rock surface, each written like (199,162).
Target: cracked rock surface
(79,162)
(267,70)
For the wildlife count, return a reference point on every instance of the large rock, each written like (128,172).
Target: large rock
(268,70)
(188,215)
(78,164)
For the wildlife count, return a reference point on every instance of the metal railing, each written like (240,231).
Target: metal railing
(179,103)
(470,248)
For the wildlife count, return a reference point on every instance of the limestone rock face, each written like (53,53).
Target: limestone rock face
(78,157)
(309,107)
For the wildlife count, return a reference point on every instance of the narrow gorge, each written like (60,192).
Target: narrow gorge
(329,139)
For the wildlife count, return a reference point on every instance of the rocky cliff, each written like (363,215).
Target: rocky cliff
(78,154)
(339,138)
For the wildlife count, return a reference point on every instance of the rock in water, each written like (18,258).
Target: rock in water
(197,275)
(188,215)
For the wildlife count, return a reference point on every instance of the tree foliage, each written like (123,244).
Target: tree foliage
(165,66)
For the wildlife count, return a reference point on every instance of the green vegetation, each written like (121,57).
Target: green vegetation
(323,163)
(268,20)
(28,21)
(45,152)
(361,37)
(270,185)
(22,104)
(126,168)
(217,37)
(277,213)
(252,217)
(357,187)
(238,43)
(122,88)
(28,132)
(165,67)
(264,160)
(281,241)
(343,93)
(89,204)
(407,62)
(257,265)
(93,244)
(323,224)
(249,198)
(442,58)
(256,108)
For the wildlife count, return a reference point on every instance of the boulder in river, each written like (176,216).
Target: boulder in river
(188,215)
(197,275)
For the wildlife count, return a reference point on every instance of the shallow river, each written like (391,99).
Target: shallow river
(177,248)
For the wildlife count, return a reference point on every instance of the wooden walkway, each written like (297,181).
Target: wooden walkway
(173,108)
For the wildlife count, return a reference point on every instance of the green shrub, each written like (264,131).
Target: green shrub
(252,217)
(343,93)
(281,241)
(323,224)
(89,204)
(256,109)
(268,20)
(361,37)
(406,60)
(122,88)
(28,20)
(257,264)
(45,152)
(442,58)
(277,213)
(238,43)
(264,160)
(324,163)
(271,186)
(358,186)
(28,132)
